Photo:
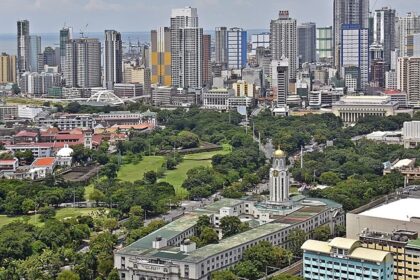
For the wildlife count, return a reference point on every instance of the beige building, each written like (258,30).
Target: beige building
(7,68)
(243,88)
(138,75)
(351,108)
(408,78)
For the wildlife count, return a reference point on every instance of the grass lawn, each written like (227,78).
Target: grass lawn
(294,190)
(133,172)
(60,214)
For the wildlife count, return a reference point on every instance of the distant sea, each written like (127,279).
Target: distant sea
(8,42)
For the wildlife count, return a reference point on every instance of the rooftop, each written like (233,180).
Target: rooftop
(401,210)
(43,162)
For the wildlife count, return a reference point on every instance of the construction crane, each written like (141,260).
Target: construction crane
(82,31)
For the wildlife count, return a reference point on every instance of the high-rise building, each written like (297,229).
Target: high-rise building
(306,33)
(113,53)
(50,57)
(283,41)
(355,54)
(34,52)
(65,36)
(161,56)
(384,32)
(23,46)
(343,258)
(280,81)
(207,78)
(324,44)
(186,48)
(408,78)
(237,48)
(83,63)
(348,12)
(259,40)
(221,50)
(7,68)
(406,27)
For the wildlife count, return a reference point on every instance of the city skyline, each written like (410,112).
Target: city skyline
(96,13)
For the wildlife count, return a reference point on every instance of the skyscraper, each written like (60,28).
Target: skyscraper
(161,56)
(324,43)
(207,78)
(259,40)
(83,63)
(384,32)
(280,81)
(355,54)
(348,12)
(186,48)
(237,48)
(306,33)
(113,53)
(23,46)
(34,52)
(408,78)
(65,36)
(407,26)
(221,50)
(283,43)
(7,68)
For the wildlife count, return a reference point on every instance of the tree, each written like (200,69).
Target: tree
(322,233)
(224,275)
(81,154)
(203,221)
(248,270)
(28,205)
(286,277)
(73,107)
(110,171)
(230,225)
(208,236)
(329,178)
(296,239)
(46,213)
(68,275)
(97,196)
(150,177)
(187,140)
(113,275)
(25,156)
(135,218)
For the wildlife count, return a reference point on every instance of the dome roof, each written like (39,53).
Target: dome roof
(65,152)
(279,153)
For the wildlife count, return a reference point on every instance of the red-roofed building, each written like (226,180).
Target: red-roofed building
(25,136)
(42,167)
(397,96)
(9,164)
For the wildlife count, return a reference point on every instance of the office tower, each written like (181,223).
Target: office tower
(283,42)
(348,12)
(259,40)
(406,27)
(384,32)
(378,69)
(186,48)
(280,81)
(7,68)
(355,54)
(207,78)
(83,63)
(65,36)
(50,57)
(161,56)
(221,50)
(113,53)
(237,48)
(23,46)
(34,52)
(306,33)
(408,78)
(324,44)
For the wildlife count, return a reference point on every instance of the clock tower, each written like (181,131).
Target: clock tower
(279,178)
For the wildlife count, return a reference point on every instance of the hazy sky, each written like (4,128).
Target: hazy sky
(143,15)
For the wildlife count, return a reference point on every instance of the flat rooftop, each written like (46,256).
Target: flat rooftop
(401,210)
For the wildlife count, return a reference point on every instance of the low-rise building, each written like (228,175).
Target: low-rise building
(352,108)
(42,167)
(9,165)
(128,90)
(343,258)
(67,121)
(217,99)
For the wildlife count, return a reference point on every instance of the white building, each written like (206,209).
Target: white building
(26,112)
(279,178)
(280,81)
(237,48)
(391,81)
(217,99)
(259,40)
(113,52)
(351,108)
(407,26)
(411,134)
